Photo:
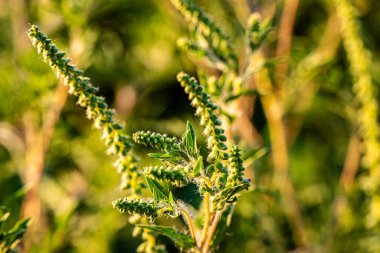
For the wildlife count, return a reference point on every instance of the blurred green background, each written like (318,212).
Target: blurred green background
(128,49)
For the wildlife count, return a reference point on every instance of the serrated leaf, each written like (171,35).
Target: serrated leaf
(182,240)
(158,191)
(189,140)
(198,166)
(171,198)
(173,157)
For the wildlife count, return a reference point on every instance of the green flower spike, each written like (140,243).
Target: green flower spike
(235,168)
(205,109)
(96,107)
(147,208)
(366,94)
(235,181)
(175,175)
(156,140)
(208,36)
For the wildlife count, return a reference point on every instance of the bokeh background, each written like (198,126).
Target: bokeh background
(128,48)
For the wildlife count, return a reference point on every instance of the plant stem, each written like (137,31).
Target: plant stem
(340,204)
(215,222)
(285,30)
(274,112)
(206,224)
(189,224)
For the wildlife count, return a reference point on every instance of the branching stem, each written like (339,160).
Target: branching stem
(215,222)
(189,222)
(206,224)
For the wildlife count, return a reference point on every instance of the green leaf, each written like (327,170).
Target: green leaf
(173,157)
(189,140)
(180,239)
(160,155)
(16,232)
(158,191)
(198,166)
(171,198)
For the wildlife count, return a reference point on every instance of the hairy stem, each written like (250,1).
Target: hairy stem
(206,224)
(189,222)
(212,229)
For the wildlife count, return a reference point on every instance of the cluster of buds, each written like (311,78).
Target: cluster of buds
(235,182)
(257,31)
(96,107)
(148,208)
(208,37)
(235,167)
(156,140)
(205,109)
(147,246)
(174,175)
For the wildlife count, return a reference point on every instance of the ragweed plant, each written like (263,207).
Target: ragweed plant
(207,41)
(117,141)
(218,173)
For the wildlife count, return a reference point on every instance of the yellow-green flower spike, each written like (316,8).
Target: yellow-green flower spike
(208,34)
(205,109)
(235,168)
(174,175)
(96,107)
(156,140)
(147,208)
(366,94)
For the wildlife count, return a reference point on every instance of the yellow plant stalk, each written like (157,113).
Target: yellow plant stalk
(365,92)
